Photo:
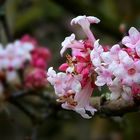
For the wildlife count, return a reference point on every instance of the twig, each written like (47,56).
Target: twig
(115,107)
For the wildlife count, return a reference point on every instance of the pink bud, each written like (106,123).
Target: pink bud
(28,38)
(63,67)
(41,52)
(39,63)
(36,79)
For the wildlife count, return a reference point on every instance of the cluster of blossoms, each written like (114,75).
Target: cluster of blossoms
(91,65)
(22,65)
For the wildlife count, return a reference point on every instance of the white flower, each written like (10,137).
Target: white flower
(63,82)
(133,40)
(104,76)
(84,22)
(82,105)
(70,42)
(95,54)
(66,43)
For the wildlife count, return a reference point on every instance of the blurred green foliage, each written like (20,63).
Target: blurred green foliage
(48,21)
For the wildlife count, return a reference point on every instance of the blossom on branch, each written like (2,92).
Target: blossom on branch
(23,65)
(92,65)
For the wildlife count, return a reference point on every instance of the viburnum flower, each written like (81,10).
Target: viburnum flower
(27,38)
(104,76)
(92,65)
(133,40)
(23,64)
(118,90)
(74,86)
(70,42)
(63,82)
(128,70)
(36,79)
(15,55)
(70,92)
(40,57)
(81,102)
(84,22)
(95,54)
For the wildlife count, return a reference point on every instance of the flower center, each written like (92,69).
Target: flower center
(69,98)
(131,71)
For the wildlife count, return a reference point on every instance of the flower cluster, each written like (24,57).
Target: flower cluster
(22,65)
(92,65)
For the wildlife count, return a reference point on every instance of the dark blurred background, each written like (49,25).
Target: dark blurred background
(49,22)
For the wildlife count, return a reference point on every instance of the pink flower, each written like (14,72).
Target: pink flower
(40,57)
(42,52)
(80,102)
(92,64)
(84,22)
(15,55)
(36,79)
(104,76)
(118,90)
(115,49)
(39,63)
(70,42)
(70,93)
(28,38)
(133,40)
(95,54)
(63,82)
(128,70)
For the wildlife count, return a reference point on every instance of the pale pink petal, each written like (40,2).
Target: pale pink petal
(128,62)
(115,49)
(137,65)
(84,22)
(106,56)
(136,78)
(93,19)
(96,62)
(120,71)
(100,81)
(126,40)
(134,34)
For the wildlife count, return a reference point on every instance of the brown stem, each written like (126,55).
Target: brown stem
(115,107)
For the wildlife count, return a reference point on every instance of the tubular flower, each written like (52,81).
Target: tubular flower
(70,42)
(92,65)
(84,22)
(132,41)
(70,92)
